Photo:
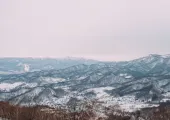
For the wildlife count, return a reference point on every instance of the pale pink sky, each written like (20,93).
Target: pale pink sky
(98,29)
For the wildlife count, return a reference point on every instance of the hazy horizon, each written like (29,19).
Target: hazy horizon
(102,59)
(107,30)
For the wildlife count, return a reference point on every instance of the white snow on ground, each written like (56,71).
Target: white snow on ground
(133,107)
(30,85)
(167,94)
(52,80)
(121,75)
(9,86)
(100,91)
(167,97)
(126,103)
(81,78)
(165,100)
(63,100)
(125,75)
(99,73)
(66,88)
(10,72)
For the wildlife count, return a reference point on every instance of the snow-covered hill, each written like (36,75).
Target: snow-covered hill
(133,84)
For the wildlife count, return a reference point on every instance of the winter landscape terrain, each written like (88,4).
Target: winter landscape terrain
(135,84)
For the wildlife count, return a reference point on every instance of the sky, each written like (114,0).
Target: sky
(112,30)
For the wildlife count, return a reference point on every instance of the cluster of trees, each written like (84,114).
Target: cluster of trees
(157,113)
(11,112)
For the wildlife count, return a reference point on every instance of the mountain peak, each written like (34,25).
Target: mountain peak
(157,55)
(154,55)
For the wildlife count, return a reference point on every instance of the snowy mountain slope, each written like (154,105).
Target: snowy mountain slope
(142,81)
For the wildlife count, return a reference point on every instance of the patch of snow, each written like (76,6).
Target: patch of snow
(167,94)
(99,73)
(126,103)
(81,78)
(100,91)
(30,85)
(10,72)
(166,56)
(130,107)
(9,86)
(137,86)
(165,100)
(125,75)
(121,75)
(52,80)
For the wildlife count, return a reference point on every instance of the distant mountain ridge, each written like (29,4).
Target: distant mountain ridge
(18,65)
(139,82)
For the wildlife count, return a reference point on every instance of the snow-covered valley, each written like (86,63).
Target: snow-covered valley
(140,83)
